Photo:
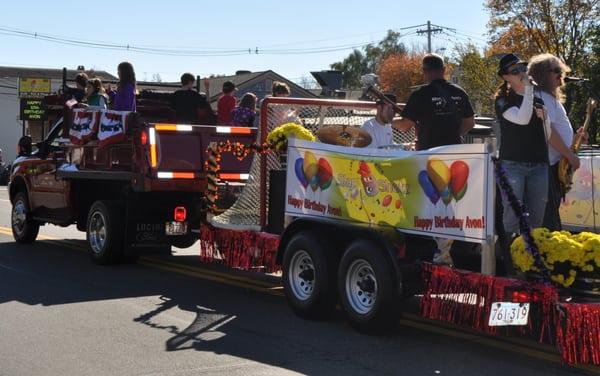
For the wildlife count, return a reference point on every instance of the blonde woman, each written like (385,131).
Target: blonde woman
(548,71)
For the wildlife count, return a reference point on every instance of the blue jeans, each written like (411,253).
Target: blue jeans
(529,181)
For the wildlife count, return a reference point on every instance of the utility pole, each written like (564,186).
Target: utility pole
(429,31)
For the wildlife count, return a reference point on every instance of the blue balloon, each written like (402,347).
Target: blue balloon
(428,187)
(300,172)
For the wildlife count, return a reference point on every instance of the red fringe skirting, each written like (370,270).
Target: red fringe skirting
(246,250)
(463,298)
(578,333)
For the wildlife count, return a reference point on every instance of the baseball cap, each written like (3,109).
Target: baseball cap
(508,60)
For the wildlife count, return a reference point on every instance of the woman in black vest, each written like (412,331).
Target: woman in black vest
(523,142)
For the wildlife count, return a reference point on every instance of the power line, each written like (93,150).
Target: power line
(207,52)
(429,31)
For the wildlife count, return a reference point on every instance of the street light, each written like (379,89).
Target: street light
(441,49)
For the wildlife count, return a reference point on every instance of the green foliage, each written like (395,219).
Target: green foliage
(592,71)
(554,26)
(477,75)
(368,59)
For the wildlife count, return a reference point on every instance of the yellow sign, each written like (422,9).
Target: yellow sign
(29,86)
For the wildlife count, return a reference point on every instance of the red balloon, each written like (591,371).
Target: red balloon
(459,172)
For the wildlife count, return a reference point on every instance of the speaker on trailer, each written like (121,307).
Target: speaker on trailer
(276,212)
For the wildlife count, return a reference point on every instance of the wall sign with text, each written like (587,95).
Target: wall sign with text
(33,109)
(34,87)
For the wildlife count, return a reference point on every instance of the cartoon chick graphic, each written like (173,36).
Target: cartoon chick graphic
(367,178)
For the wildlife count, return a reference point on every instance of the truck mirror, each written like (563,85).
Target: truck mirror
(24,146)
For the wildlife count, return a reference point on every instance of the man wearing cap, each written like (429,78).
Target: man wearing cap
(441,114)
(380,127)
(226,103)
(440,111)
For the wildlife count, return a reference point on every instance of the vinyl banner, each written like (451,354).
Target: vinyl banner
(443,192)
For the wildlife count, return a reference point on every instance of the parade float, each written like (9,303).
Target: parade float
(343,223)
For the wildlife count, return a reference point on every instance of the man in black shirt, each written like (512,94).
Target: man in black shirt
(440,111)
(190,106)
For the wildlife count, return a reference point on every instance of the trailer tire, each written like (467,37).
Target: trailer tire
(309,276)
(367,289)
(105,232)
(24,229)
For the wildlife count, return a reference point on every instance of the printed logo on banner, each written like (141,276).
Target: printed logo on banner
(443,192)
(112,126)
(84,126)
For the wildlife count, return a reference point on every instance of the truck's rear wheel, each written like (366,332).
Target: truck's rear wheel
(105,232)
(366,287)
(309,276)
(25,230)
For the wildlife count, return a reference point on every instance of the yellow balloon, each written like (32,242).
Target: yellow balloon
(310,166)
(439,173)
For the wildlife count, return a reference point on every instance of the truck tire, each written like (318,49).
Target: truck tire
(184,241)
(309,276)
(367,289)
(105,232)
(25,230)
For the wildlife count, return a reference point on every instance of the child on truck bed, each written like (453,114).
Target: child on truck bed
(244,114)
(96,98)
(123,99)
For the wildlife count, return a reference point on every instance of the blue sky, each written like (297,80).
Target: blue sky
(226,25)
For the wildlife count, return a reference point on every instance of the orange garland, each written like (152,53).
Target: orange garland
(212,164)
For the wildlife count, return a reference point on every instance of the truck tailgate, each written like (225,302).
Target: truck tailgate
(179,151)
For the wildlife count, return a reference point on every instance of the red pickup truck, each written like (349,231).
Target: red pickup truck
(144,191)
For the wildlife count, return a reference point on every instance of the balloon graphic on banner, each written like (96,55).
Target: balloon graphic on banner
(439,173)
(300,172)
(324,173)
(314,183)
(309,167)
(458,184)
(428,187)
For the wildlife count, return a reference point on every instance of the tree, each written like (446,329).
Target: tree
(513,39)
(561,27)
(477,74)
(156,77)
(399,72)
(308,83)
(353,66)
(592,70)
(368,60)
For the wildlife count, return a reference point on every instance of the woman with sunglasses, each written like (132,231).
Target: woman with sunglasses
(523,142)
(548,71)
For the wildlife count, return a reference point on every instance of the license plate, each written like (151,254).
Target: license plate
(506,313)
(176,228)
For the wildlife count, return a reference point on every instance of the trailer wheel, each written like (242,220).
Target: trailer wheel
(309,276)
(366,287)
(25,230)
(105,232)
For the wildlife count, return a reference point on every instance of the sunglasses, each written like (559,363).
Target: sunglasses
(556,70)
(518,69)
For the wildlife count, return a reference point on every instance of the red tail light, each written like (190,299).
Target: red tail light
(180,214)
(521,297)
(144,138)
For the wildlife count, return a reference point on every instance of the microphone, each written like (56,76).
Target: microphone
(576,79)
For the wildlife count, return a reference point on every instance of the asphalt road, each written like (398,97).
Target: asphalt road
(62,315)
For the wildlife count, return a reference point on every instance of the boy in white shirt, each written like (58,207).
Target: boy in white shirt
(380,127)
